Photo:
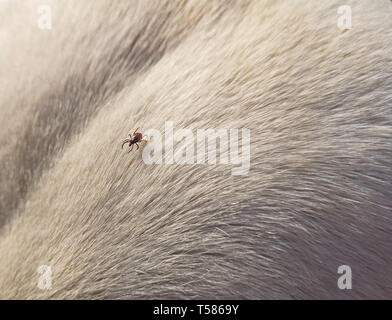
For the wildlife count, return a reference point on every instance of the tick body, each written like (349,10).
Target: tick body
(133,139)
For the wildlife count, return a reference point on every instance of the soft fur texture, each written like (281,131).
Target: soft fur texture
(318,102)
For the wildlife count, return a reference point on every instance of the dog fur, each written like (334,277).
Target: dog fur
(317,101)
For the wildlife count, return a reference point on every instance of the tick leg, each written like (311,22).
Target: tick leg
(124,142)
(137,146)
(136,130)
(130,149)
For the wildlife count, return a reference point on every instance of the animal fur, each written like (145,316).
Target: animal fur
(317,101)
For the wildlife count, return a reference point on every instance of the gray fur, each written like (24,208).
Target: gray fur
(318,102)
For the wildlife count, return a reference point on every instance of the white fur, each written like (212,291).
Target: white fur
(317,100)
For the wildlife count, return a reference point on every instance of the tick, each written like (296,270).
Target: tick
(133,139)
